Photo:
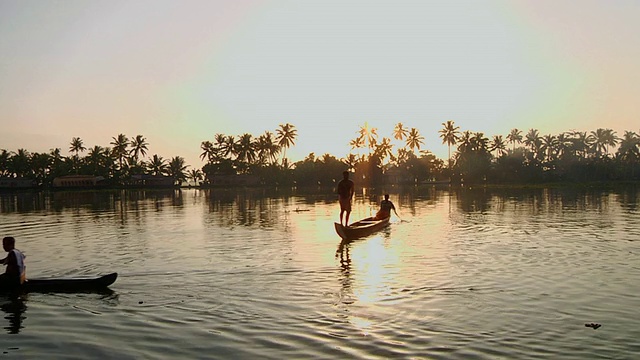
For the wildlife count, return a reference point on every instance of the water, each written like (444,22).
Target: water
(473,274)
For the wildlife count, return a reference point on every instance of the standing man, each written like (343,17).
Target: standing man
(346,188)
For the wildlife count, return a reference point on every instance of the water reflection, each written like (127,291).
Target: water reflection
(97,201)
(14,307)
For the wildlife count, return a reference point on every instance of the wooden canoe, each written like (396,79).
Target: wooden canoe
(81,284)
(361,228)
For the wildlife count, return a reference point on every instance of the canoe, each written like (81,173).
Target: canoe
(68,284)
(361,228)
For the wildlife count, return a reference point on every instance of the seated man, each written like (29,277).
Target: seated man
(15,274)
(385,209)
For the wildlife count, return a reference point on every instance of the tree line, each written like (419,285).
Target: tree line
(397,158)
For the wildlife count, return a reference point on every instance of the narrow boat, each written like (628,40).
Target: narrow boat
(67,284)
(358,229)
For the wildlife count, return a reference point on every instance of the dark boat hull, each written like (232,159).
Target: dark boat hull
(67,285)
(360,228)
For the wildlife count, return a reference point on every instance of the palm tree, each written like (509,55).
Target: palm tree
(384,149)
(414,139)
(39,164)
(449,135)
(208,150)
(629,146)
(76,145)
(246,149)
(602,139)
(534,142)
(19,163)
(498,145)
(351,161)
(515,136)
(285,137)
(266,148)
(177,169)
(357,143)
(95,160)
(4,162)
(400,132)
(119,150)
(157,165)
(549,146)
(138,146)
(195,175)
(369,135)
(230,147)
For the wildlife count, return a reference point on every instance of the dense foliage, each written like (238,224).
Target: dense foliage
(517,158)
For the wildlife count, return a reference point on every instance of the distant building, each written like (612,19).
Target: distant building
(152,180)
(77,181)
(16,183)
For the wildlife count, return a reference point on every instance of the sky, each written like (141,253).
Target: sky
(179,72)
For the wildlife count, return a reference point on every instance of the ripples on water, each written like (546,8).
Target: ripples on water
(470,273)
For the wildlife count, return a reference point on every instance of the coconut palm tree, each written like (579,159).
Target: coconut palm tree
(19,163)
(177,169)
(138,146)
(549,146)
(449,135)
(629,146)
(515,137)
(602,139)
(498,145)
(369,135)
(195,175)
(384,149)
(285,137)
(76,145)
(119,150)
(208,151)
(39,164)
(95,160)
(351,161)
(157,165)
(400,132)
(4,162)
(414,139)
(230,147)
(267,150)
(246,149)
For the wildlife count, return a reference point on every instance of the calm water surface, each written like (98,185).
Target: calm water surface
(464,274)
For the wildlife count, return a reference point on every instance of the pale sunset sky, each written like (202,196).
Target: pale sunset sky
(178,72)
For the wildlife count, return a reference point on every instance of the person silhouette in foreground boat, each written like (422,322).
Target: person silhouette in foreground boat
(15,274)
(385,209)
(346,188)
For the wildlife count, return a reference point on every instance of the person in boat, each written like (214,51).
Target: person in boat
(346,188)
(385,209)
(15,274)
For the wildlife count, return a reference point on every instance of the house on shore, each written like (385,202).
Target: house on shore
(16,183)
(77,181)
